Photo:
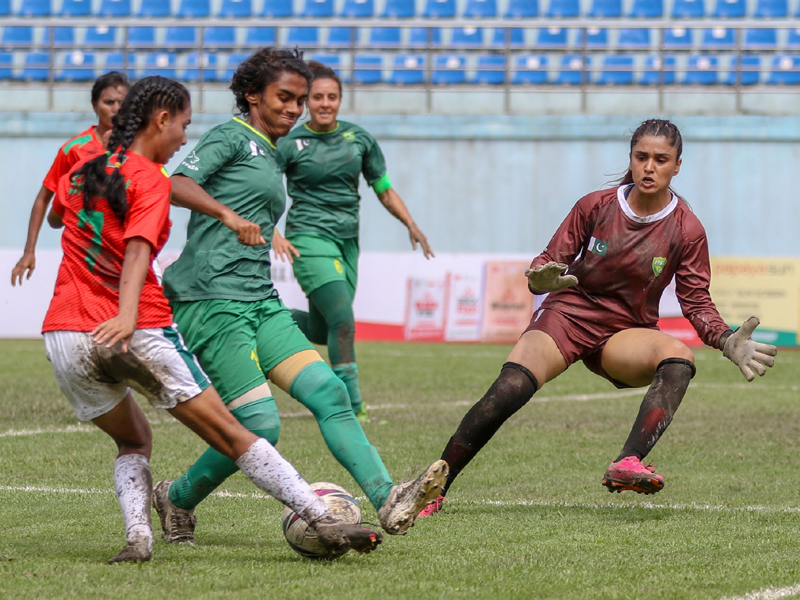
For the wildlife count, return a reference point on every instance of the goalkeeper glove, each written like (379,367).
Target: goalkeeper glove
(549,278)
(746,354)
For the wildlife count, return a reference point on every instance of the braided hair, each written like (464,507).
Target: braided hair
(320,71)
(262,68)
(146,97)
(655,128)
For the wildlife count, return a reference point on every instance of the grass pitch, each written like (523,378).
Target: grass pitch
(527,519)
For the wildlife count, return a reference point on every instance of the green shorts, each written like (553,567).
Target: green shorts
(324,259)
(238,343)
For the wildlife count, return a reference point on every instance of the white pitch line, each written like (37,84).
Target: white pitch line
(769,593)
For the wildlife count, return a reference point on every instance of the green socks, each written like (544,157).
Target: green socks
(212,468)
(349,375)
(325,395)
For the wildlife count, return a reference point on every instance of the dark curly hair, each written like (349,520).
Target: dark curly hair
(262,68)
(146,97)
(320,71)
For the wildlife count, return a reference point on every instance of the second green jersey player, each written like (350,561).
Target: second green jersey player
(230,314)
(323,161)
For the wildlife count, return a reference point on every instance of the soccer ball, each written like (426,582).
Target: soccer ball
(301,537)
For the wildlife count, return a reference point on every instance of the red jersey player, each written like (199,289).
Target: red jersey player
(109,326)
(605,270)
(108,92)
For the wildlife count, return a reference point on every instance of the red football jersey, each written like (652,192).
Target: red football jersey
(71,153)
(623,262)
(87,288)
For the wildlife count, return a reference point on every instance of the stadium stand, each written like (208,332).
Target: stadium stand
(35,8)
(522,9)
(512,36)
(491,70)
(194,9)
(385,37)
(73,8)
(399,9)
(701,70)
(6,66)
(785,70)
(99,37)
(260,36)
(730,9)
(37,67)
(531,70)
(617,70)
(688,9)
(647,9)
(480,9)
(572,70)
(318,9)
(277,9)
(156,9)
(235,9)
(748,74)
(358,9)
(368,69)
(210,69)
(440,9)
(113,8)
(771,9)
(407,69)
(77,66)
(563,9)
(449,69)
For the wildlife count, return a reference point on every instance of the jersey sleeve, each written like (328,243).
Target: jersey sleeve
(571,236)
(692,280)
(148,211)
(60,167)
(373,164)
(213,151)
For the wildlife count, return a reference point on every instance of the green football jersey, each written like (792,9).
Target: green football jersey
(322,171)
(234,163)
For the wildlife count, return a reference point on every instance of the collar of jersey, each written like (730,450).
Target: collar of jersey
(622,193)
(254,130)
(334,130)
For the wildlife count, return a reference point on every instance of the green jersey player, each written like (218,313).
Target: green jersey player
(323,161)
(231,316)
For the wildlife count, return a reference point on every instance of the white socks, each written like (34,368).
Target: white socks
(134,485)
(265,467)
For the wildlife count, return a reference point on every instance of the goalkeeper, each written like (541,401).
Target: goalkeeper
(605,270)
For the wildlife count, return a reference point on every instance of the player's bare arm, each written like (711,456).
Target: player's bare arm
(188,194)
(27,264)
(395,205)
(283,248)
(55,220)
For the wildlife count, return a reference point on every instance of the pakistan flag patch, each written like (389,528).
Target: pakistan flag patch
(598,246)
(350,136)
(659,262)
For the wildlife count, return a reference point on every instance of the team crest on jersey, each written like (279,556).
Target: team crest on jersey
(598,246)
(302,144)
(350,136)
(192,159)
(659,262)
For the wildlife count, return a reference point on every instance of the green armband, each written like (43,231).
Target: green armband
(382,184)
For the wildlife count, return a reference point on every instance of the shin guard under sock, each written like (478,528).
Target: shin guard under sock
(349,375)
(659,406)
(510,392)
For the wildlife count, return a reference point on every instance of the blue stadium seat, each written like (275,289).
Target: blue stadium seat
(368,69)
(572,70)
(74,8)
(210,67)
(449,69)
(419,36)
(155,9)
(749,74)
(531,70)
(384,37)
(318,9)
(480,9)
(180,37)
(771,9)
(491,70)
(194,9)
(115,8)
(655,71)
(718,38)
(277,9)
(595,38)
(793,39)
(688,9)
(6,65)
(329,60)
(760,39)
(467,37)
(678,38)
(552,37)
(303,36)
(5,10)
(358,9)
(408,69)
(606,9)
(647,9)
(635,39)
(522,9)
(17,36)
(35,8)
(62,36)
(342,37)
(100,37)
(115,61)
(399,9)
(160,63)
(142,36)
(617,70)
(36,67)
(440,9)
(260,36)
(516,37)
(215,38)
(785,70)
(236,9)
(563,9)
(701,70)
(78,66)
(730,9)
(234,60)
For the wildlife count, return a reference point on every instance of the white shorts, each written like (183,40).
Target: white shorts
(95,379)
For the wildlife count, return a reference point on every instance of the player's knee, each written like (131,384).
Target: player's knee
(676,349)
(261,418)
(321,391)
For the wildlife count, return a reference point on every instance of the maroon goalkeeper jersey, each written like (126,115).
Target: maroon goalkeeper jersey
(623,262)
